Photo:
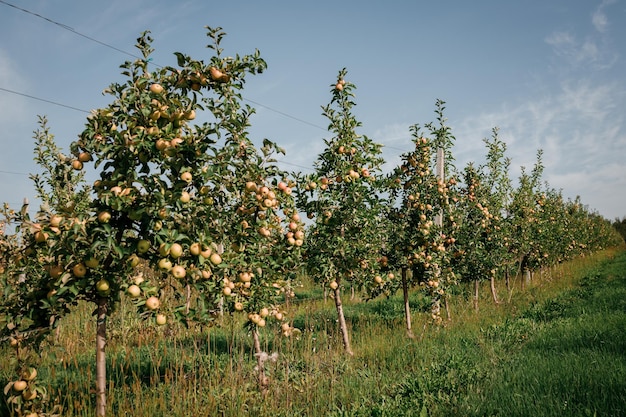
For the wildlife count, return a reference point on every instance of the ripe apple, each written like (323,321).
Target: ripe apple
(41,236)
(55,271)
(104,217)
(92,263)
(143,246)
(84,157)
(238,306)
(333,285)
(195,249)
(77,165)
(156,88)
(206,252)
(186,176)
(133,260)
(161,319)
(176,250)
(165,264)
(152,303)
(29,394)
(103,287)
(29,374)
(79,270)
(185,197)
(20,385)
(134,291)
(178,271)
(215,258)
(55,220)
(227,291)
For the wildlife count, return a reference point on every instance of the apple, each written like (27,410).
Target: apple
(238,306)
(77,165)
(176,250)
(186,176)
(103,287)
(92,263)
(227,291)
(164,250)
(156,88)
(165,264)
(178,271)
(55,271)
(185,197)
(20,385)
(79,270)
(152,303)
(215,258)
(162,144)
(143,246)
(195,249)
(29,374)
(104,217)
(55,220)
(245,277)
(134,291)
(206,252)
(29,394)
(133,260)
(40,236)
(161,319)
(333,285)
(190,115)
(251,187)
(84,157)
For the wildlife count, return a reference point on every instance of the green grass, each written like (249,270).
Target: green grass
(558,348)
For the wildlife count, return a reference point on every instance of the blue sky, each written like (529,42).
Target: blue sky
(550,75)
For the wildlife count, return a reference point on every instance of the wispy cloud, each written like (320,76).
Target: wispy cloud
(599,19)
(590,49)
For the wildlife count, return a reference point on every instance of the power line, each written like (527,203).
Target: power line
(68,28)
(13,172)
(43,99)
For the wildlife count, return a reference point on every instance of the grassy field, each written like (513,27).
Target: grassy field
(556,348)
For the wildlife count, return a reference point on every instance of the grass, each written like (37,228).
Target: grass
(557,348)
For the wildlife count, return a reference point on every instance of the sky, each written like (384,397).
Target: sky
(549,75)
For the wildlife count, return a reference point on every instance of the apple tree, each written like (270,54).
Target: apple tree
(418,246)
(199,203)
(343,197)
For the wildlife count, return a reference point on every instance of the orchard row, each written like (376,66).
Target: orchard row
(219,224)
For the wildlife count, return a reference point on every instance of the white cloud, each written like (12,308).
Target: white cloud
(586,49)
(599,19)
(582,131)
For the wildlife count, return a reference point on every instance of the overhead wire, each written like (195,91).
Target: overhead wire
(107,45)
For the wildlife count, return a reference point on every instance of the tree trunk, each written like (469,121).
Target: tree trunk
(447,307)
(101,371)
(476,293)
(261,357)
(527,276)
(342,322)
(407,307)
(494,293)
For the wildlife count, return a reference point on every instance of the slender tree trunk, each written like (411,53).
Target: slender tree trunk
(101,371)
(407,307)
(447,307)
(342,322)
(494,293)
(476,293)
(261,357)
